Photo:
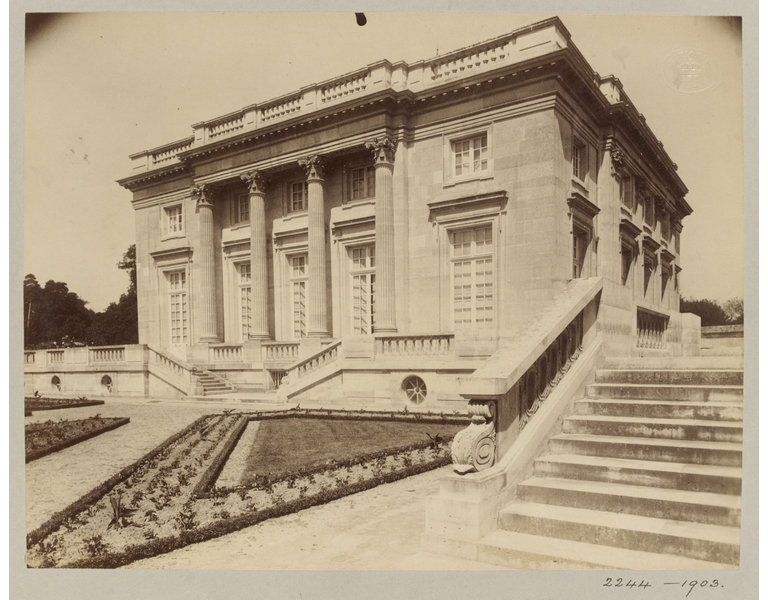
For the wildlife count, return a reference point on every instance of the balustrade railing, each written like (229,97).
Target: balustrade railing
(109,354)
(55,357)
(281,108)
(407,345)
(523,374)
(174,371)
(281,351)
(471,60)
(345,87)
(29,358)
(168,153)
(325,356)
(226,126)
(651,329)
(233,353)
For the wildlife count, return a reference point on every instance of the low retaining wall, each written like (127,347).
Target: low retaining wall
(722,340)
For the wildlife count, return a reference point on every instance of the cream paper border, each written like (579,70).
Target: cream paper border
(306,585)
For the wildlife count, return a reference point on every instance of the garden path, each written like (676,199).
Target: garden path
(55,481)
(378,529)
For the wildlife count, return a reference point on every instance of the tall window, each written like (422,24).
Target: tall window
(665,229)
(241,209)
(298,278)
(362,271)
(579,159)
(362,183)
(625,191)
(470,155)
(627,258)
(666,275)
(244,286)
(173,222)
(579,252)
(177,295)
(648,210)
(649,269)
(472,276)
(297,200)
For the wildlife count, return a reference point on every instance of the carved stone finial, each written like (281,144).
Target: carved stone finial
(256,181)
(383,149)
(474,448)
(314,166)
(202,194)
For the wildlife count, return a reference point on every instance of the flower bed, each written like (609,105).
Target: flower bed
(168,499)
(42,439)
(40,403)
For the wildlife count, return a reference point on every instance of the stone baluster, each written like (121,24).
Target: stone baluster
(257,184)
(206,266)
(317,312)
(383,149)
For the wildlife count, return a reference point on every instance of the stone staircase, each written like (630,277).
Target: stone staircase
(212,384)
(646,474)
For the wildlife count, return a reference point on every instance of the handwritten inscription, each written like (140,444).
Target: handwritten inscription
(687,585)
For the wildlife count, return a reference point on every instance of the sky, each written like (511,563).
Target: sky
(101,86)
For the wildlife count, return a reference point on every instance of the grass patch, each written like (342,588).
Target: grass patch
(42,439)
(283,446)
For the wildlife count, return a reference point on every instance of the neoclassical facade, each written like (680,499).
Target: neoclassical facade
(374,238)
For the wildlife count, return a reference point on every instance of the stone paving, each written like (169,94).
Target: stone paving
(55,481)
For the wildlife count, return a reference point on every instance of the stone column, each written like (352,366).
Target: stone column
(317,310)
(257,185)
(383,150)
(206,267)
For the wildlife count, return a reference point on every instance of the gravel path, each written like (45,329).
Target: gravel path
(57,480)
(233,469)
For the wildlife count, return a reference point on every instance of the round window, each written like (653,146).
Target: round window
(56,382)
(415,389)
(106,381)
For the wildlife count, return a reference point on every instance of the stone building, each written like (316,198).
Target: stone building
(374,238)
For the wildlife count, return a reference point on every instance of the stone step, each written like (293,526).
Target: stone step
(721,411)
(671,376)
(679,505)
(676,429)
(525,551)
(675,362)
(667,450)
(700,478)
(688,393)
(715,543)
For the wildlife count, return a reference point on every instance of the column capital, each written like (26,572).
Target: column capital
(383,149)
(202,194)
(314,166)
(256,181)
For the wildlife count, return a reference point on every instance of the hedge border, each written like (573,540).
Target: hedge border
(218,529)
(224,527)
(211,473)
(74,404)
(35,454)
(57,519)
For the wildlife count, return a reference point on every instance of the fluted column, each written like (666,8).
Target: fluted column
(206,267)
(383,150)
(257,185)
(317,313)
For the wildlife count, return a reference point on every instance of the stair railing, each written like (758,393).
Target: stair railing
(509,389)
(173,371)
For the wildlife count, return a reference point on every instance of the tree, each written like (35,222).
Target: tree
(734,309)
(119,322)
(53,316)
(711,312)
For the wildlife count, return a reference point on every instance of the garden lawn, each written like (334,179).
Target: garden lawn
(283,446)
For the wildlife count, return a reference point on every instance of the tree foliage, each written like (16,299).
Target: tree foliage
(54,316)
(712,313)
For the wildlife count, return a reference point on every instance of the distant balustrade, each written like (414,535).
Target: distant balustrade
(281,108)
(279,351)
(225,127)
(340,89)
(412,345)
(55,357)
(472,60)
(325,356)
(168,153)
(29,358)
(229,353)
(106,355)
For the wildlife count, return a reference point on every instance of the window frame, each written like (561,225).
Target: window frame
(580,154)
(369,272)
(292,279)
(449,155)
(472,258)
(235,210)
(369,177)
(241,287)
(289,190)
(165,224)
